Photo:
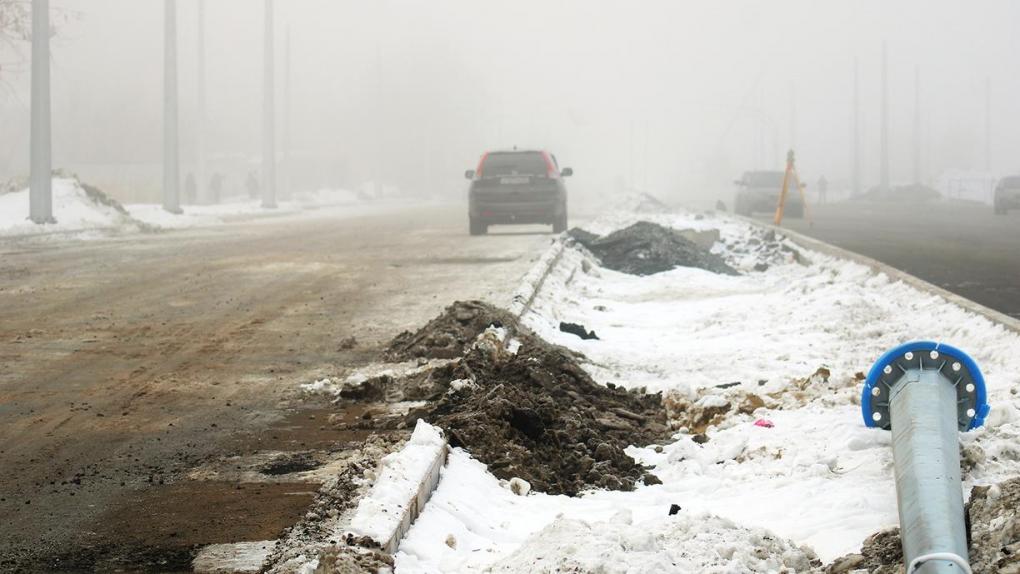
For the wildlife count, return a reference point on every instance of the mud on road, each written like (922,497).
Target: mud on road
(131,368)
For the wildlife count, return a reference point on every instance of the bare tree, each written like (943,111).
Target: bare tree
(15,29)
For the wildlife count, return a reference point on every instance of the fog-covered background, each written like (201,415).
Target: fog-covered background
(674,97)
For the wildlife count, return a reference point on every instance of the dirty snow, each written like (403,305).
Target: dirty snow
(817,478)
(382,510)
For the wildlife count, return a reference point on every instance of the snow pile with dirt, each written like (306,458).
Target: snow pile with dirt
(383,509)
(76,208)
(761,375)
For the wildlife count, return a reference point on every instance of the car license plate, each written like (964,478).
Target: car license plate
(515,180)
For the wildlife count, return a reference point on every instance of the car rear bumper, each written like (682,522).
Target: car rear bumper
(1008,200)
(508,212)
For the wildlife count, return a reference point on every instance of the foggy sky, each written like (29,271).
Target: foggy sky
(678,97)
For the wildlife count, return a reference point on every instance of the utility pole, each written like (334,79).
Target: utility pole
(884,143)
(856,168)
(200,167)
(40,209)
(793,116)
(171,152)
(269,115)
(988,124)
(288,173)
(917,124)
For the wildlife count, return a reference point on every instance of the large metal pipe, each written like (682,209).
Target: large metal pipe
(926,393)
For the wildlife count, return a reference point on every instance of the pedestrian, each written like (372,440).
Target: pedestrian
(215,187)
(252,183)
(190,190)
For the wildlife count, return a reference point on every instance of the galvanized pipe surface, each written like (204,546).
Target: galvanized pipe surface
(923,409)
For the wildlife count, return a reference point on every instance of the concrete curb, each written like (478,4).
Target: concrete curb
(416,505)
(536,276)
(876,266)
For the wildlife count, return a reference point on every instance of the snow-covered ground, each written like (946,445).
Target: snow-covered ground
(797,336)
(84,213)
(73,208)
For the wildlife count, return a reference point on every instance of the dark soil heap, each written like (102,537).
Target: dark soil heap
(449,335)
(647,248)
(536,414)
(993,532)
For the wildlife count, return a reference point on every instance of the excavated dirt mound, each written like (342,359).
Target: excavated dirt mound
(534,413)
(448,335)
(647,248)
(995,527)
(993,531)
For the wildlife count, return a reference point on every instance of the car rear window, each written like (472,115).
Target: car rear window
(1010,183)
(515,163)
(764,179)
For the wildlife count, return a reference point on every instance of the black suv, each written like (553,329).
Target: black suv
(1007,194)
(517,187)
(760,191)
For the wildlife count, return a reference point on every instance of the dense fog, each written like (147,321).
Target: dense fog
(676,98)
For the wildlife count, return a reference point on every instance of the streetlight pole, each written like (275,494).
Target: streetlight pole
(41,183)
(171,153)
(200,167)
(269,116)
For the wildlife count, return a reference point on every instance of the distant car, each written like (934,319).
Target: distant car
(517,187)
(759,191)
(1007,194)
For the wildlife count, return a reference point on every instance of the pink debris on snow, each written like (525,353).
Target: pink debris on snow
(764,423)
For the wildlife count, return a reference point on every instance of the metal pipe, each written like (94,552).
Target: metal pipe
(925,393)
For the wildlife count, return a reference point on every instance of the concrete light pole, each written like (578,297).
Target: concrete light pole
(200,131)
(269,115)
(41,183)
(171,152)
(884,144)
(856,168)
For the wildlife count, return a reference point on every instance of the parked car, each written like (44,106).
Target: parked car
(517,187)
(1007,194)
(759,191)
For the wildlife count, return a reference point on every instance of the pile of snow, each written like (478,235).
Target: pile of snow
(74,208)
(380,513)
(778,355)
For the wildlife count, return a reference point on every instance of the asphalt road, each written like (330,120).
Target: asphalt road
(962,247)
(127,361)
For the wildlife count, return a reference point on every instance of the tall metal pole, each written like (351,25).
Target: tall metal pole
(269,115)
(856,177)
(171,152)
(988,124)
(287,120)
(884,144)
(917,124)
(200,137)
(40,209)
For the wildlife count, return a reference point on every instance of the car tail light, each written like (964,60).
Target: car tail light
(481,162)
(550,167)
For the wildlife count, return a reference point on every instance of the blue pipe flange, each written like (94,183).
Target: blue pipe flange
(955,365)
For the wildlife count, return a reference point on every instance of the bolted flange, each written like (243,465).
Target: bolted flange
(889,373)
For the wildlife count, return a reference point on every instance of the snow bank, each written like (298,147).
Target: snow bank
(74,208)
(382,511)
(788,343)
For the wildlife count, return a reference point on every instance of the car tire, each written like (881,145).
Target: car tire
(560,225)
(477,227)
